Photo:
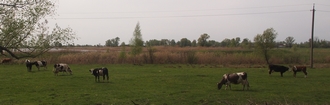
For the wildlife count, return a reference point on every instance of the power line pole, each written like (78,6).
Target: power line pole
(312,37)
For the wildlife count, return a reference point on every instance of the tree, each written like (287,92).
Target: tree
(194,43)
(185,42)
(266,41)
(202,40)
(225,43)
(112,42)
(136,42)
(173,42)
(23,28)
(289,41)
(246,43)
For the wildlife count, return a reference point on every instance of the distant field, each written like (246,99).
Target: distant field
(159,85)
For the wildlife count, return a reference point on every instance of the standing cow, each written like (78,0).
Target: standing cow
(277,68)
(62,67)
(235,78)
(6,60)
(97,72)
(38,64)
(296,69)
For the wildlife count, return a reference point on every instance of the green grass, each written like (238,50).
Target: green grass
(159,85)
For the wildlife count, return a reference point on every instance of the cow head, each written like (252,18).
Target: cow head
(91,71)
(223,81)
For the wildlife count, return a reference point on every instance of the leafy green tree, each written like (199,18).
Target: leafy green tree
(266,41)
(202,40)
(24,29)
(289,41)
(194,43)
(122,55)
(235,42)
(246,43)
(185,42)
(112,42)
(136,42)
(225,43)
(172,42)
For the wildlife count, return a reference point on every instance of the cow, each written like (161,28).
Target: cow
(296,69)
(97,72)
(277,68)
(38,64)
(6,60)
(61,67)
(235,78)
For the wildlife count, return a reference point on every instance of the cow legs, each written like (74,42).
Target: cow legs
(282,74)
(294,74)
(106,76)
(227,86)
(246,83)
(305,72)
(97,78)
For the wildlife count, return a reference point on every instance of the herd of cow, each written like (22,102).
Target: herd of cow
(241,77)
(62,67)
(227,79)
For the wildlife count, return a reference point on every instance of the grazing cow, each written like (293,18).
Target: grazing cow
(235,78)
(296,69)
(100,72)
(277,68)
(6,60)
(62,67)
(37,63)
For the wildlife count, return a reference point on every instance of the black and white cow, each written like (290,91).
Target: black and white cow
(62,67)
(97,72)
(277,68)
(234,78)
(38,64)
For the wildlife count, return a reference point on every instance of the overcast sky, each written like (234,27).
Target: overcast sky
(95,21)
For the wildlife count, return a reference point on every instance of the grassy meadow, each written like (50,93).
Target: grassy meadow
(159,84)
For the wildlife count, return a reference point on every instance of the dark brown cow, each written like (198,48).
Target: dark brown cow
(277,68)
(235,78)
(6,60)
(296,69)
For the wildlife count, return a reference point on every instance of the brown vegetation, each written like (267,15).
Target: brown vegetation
(217,56)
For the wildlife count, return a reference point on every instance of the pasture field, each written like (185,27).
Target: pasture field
(159,85)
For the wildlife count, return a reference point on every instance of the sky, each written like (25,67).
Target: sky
(95,21)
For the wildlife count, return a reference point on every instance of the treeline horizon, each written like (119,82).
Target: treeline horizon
(234,42)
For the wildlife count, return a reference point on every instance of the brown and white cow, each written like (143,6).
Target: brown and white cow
(97,72)
(234,78)
(61,67)
(296,69)
(6,60)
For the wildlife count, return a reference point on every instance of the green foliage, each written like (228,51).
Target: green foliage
(112,42)
(202,40)
(24,25)
(184,42)
(122,55)
(289,41)
(266,41)
(136,42)
(160,85)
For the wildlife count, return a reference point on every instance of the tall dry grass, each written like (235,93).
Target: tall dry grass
(177,55)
